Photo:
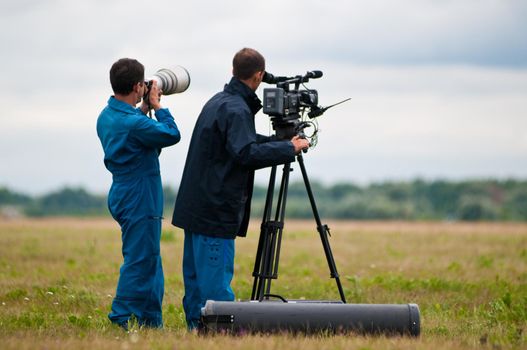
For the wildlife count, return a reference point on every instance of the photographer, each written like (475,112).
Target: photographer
(213,202)
(132,142)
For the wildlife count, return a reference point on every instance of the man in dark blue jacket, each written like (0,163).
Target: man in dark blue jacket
(213,202)
(131,143)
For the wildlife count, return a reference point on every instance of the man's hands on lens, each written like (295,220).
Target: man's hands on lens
(299,143)
(154,98)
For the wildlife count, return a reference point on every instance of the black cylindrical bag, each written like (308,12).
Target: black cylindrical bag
(310,317)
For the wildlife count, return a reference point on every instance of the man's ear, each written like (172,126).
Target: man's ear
(136,87)
(257,76)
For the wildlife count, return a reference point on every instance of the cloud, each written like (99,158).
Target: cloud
(438,87)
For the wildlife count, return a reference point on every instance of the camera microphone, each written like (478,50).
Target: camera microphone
(314,74)
(271,79)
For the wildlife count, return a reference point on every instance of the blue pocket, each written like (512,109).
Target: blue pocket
(213,248)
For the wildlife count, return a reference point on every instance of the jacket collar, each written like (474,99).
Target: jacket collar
(120,105)
(237,87)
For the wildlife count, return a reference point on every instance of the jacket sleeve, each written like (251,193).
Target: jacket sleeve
(158,133)
(242,143)
(263,138)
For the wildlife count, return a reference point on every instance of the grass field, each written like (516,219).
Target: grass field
(58,276)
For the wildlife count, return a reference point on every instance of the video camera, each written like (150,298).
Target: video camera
(287,104)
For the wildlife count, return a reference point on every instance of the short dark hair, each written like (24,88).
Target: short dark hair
(246,62)
(124,74)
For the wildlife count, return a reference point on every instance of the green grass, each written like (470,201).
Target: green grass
(58,276)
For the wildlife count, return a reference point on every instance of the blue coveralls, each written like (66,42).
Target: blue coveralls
(132,143)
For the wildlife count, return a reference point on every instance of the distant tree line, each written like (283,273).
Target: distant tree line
(470,200)
(416,200)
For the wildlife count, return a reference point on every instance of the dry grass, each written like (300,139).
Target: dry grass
(57,277)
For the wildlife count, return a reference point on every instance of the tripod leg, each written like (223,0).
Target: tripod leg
(263,241)
(323,230)
(268,253)
(278,226)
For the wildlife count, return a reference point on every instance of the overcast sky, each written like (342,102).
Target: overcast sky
(438,87)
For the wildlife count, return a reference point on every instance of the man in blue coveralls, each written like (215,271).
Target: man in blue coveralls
(132,142)
(213,202)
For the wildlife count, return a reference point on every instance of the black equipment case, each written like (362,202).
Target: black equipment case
(309,317)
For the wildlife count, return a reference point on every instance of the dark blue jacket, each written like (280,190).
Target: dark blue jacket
(216,188)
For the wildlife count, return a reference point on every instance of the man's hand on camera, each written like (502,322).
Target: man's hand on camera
(299,143)
(154,99)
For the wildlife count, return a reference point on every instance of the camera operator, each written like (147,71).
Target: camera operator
(213,202)
(132,142)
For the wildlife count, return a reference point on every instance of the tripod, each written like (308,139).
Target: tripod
(268,253)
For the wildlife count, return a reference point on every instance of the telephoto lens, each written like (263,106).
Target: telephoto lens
(172,80)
